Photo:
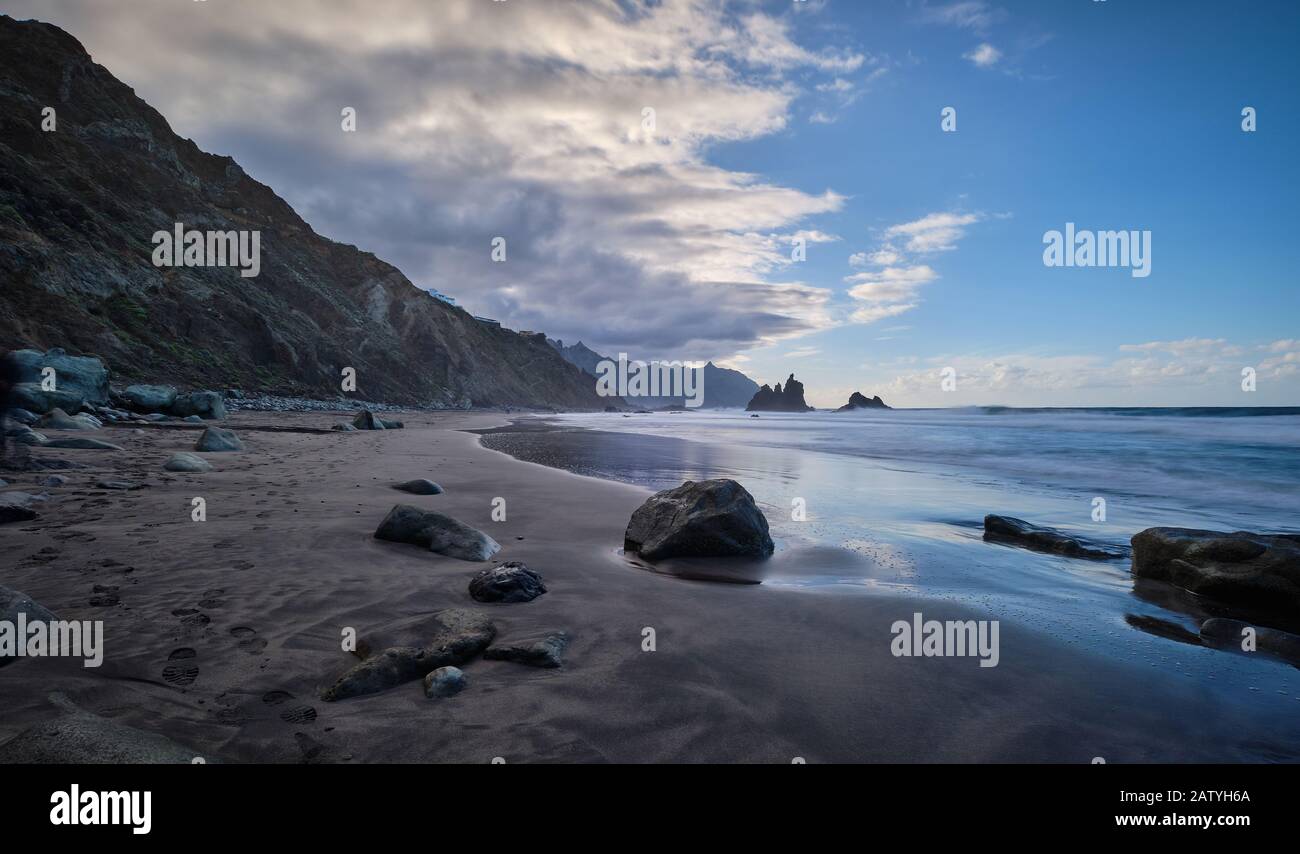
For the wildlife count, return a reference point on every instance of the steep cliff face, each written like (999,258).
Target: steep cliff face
(79,206)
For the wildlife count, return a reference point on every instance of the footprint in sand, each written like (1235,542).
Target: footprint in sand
(212,599)
(294,714)
(104,596)
(249,642)
(182,668)
(191,617)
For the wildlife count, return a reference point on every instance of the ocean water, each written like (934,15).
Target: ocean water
(904,493)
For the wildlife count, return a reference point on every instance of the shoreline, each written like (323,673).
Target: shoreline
(741,673)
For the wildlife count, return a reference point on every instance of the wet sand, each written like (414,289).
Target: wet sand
(263,590)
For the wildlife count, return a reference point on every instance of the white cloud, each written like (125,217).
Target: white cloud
(936,232)
(984,56)
(521,120)
(965,14)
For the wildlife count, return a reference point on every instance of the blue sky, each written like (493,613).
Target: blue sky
(778,120)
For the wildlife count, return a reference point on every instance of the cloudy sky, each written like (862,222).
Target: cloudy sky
(769,184)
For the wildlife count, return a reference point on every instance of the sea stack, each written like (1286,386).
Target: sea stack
(789,399)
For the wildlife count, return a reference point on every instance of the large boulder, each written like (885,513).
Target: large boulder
(710,518)
(367,420)
(458,635)
(150,398)
(208,405)
(217,440)
(436,532)
(32,397)
(508,582)
(84,376)
(1240,568)
(1018,532)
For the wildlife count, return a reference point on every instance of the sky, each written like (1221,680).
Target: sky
(770,185)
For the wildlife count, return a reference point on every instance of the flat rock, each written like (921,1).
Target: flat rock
(187,462)
(419,486)
(28,436)
(218,439)
(436,532)
(120,485)
(546,651)
(710,518)
(1239,568)
(82,444)
(1017,532)
(52,480)
(507,582)
(458,635)
(79,737)
(57,419)
(444,682)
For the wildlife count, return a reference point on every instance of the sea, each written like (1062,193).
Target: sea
(905,491)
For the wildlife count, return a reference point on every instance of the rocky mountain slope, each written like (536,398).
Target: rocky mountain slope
(723,387)
(79,206)
(788,399)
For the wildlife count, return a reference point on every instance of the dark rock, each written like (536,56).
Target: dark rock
(84,376)
(52,480)
(208,405)
(218,440)
(367,420)
(789,399)
(1223,633)
(1018,532)
(436,532)
(711,518)
(1241,568)
(16,507)
(543,652)
(150,398)
(444,682)
(392,424)
(119,485)
(57,419)
(187,462)
(12,603)
(458,636)
(192,419)
(858,400)
(1162,628)
(82,444)
(32,397)
(344,428)
(28,436)
(78,737)
(22,416)
(508,582)
(419,487)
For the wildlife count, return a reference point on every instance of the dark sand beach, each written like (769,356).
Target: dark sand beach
(264,589)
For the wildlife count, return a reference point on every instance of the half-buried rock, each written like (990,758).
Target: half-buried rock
(710,518)
(367,420)
(1241,568)
(79,737)
(81,444)
(507,582)
(543,652)
(419,486)
(217,439)
(436,532)
(1018,532)
(458,636)
(1244,637)
(187,462)
(13,603)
